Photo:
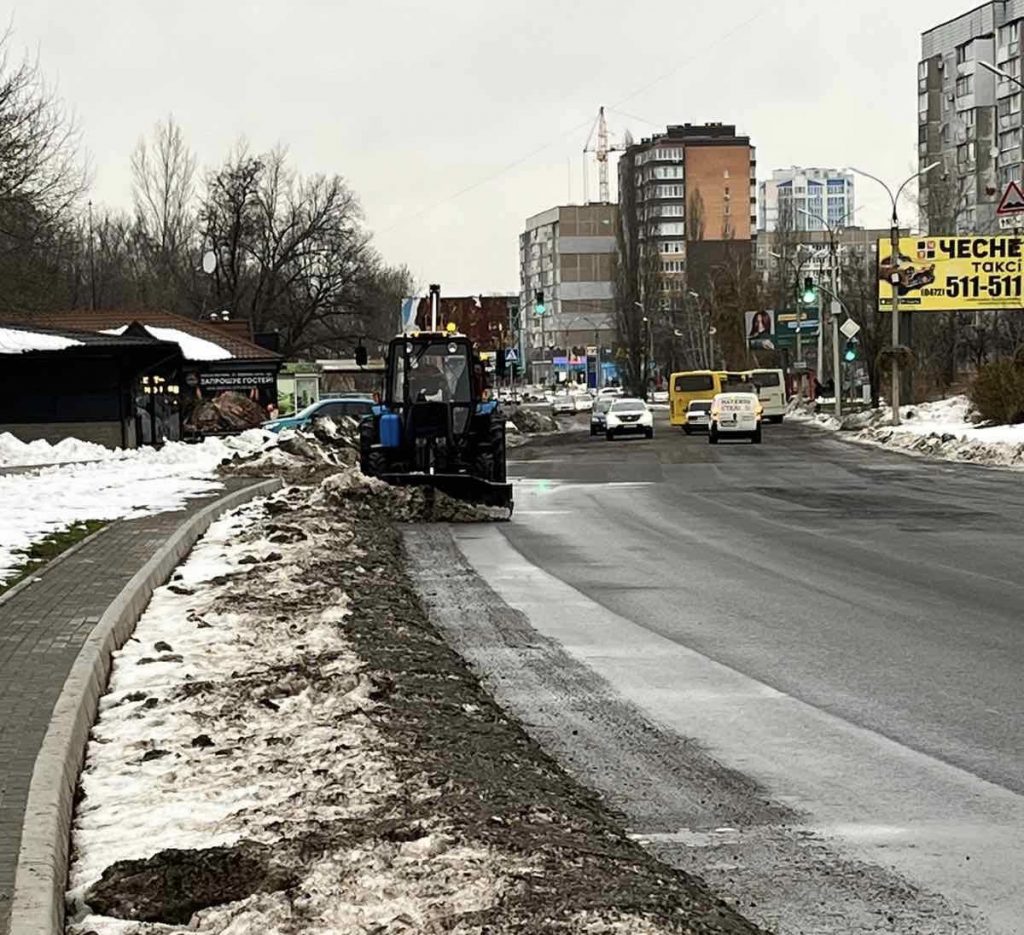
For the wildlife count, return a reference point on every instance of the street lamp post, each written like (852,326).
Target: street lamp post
(795,266)
(988,66)
(894,239)
(834,289)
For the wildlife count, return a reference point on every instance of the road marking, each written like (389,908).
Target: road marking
(887,803)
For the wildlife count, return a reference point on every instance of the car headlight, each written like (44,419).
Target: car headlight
(612,420)
(647,418)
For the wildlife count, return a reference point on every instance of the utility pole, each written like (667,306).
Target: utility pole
(92,263)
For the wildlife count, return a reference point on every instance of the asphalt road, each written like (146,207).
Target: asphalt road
(841,625)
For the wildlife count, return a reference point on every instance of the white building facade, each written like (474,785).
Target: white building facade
(806,195)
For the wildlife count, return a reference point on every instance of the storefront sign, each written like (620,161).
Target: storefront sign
(233,380)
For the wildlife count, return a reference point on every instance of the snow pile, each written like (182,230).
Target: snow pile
(944,429)
(16,453)
(18,341)
(126,485)
(239,713)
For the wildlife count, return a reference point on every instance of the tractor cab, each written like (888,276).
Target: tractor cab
(434,429)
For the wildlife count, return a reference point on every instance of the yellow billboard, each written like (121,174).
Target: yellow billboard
(948,274)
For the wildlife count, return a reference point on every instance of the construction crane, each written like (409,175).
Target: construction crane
(600,148)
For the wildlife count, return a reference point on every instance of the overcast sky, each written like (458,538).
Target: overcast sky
(454,120)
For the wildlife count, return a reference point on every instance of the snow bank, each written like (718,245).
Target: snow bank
(238,711)
(16,453)
(125,484)
(942,429)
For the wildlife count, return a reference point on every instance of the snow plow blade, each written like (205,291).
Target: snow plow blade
(463,487)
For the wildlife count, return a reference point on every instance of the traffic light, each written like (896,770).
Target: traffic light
(852,351)
(809,293)
(538,302)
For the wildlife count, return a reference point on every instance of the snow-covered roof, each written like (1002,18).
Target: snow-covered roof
(18,341)
(192,347)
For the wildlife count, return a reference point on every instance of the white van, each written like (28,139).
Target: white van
(735,415)
(771,391)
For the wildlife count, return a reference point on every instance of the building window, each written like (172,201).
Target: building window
(669,191)
(671,246)
(673,266)
(964,85)
(671,229)
(1008,36)
(1009,173)
(670,154)
(961,54)
(1009,140)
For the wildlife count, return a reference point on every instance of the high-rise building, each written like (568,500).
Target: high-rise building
(687,202)
(568,253)
(969,119)
(802,196)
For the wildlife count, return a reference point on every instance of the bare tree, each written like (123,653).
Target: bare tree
(294,256)
(41,177)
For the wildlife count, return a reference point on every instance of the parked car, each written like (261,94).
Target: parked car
(571,402)
(698,415)
(599,413)
(563,402)
(610,391)
(735,415)
(333,407)
(628,417)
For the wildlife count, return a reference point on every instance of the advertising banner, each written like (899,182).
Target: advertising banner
(761,329)
(949,274)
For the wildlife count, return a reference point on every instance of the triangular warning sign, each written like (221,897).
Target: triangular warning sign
(511,356)
(1012,201)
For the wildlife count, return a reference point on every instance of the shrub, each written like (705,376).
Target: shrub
(998,392)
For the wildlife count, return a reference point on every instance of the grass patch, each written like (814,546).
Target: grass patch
(47,549)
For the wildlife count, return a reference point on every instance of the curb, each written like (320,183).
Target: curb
(37,903)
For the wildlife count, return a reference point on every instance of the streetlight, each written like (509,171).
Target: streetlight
(894,239)
(834,291)
(795,266)
(988,66)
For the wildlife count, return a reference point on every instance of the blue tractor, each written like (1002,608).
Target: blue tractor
(434,429)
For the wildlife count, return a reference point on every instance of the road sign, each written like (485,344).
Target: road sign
(1012,201)
(849,328)
(787,324)
(511,355)
(1009,222)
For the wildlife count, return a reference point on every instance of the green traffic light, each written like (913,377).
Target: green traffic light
(850,355)
(809,297)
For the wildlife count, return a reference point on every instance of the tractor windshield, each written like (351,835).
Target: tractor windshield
(438,372)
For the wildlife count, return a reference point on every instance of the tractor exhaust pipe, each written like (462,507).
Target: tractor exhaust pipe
(435,302)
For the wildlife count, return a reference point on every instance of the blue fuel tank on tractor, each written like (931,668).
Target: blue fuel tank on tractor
(390,430)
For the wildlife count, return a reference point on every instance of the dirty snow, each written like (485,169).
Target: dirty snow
(126,484)
(16,341)
(283,701)
(942,429)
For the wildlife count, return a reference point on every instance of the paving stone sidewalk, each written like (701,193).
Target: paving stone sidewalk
(42,627)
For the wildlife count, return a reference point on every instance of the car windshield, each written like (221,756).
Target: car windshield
(602,405)
(701,405)
(629,405)
(764,380)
